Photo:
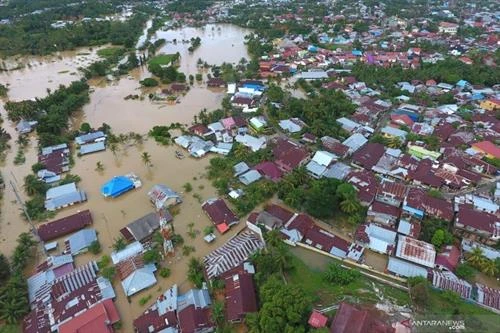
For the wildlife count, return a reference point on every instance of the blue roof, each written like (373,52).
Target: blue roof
(117,186)
(253,86)
(412,115)
(462,83)
(357,53)
(81,240)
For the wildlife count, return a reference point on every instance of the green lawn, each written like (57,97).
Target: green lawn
(326,294)
(111,53)
(162,59)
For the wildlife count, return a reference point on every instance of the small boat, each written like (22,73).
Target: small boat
(179,155)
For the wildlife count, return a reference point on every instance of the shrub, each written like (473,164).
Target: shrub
(95,247)
(149,82)
(335,273)
(145,299)
(188,187)
(165,272)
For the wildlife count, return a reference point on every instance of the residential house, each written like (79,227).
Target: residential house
(220,214)
(338,171)
(162,196)
(98,318)
(377,238)
(391,132)
(92,148)
(487,296)
(422,153)
(317,319)
(319,163)
(135,275)
(448,258)
(334,146)
(62,196)
(491,104)
(254,143)
(56,296)
(173,312)
(249,177)
(232,254)
(25,126)
(391,192)
(416,251)
(64,226)
(142,229)
(240,296)
(289,155)
(355,142)
(349,319)
(269,170)
(468,246)
(406,269)
(200,130)
(55,158)
(418,203)
(446,280)
(91,137)
(384,214)
(80,241)
(487,148)
(368,155)
(292,125)
(480,226)
(366,185)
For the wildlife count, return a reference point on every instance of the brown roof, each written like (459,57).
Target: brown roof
(382,208)
(349,319)
(240,296)
(288,154)
(435,207)
(97,319)
(478,220)
(368,155)
(219,213)
(64,226)
(396,189)
(126,267)
(192,319)
(279,212)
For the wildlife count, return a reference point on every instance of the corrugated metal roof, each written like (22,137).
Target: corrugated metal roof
(404,268)
(416,251)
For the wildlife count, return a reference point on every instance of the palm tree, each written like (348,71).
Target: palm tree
(476,257)
(218,313)
(393,142)
(349,205)
(489,267)
(114,148)
(146,159)
(273,239)
(99,166)
(119,244)
(34,186)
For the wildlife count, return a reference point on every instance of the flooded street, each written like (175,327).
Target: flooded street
(107,104)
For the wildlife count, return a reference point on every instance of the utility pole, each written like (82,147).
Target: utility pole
(28,217)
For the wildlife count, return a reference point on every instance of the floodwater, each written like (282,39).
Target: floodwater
(219,43)
(107,105)
(41,73)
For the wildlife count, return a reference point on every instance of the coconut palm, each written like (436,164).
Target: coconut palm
(119,244)
(32,185)
(99,166)
(349,205)
(476,257)
(489,267)
(114,148)
(146,159)
(393,142)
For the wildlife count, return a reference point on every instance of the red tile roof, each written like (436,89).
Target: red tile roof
(349,319)
(382,208)
(366,183)
(317,319)
(240,296)
(97,319)
(65,225)
(396,189)
(302,223)
(288,155)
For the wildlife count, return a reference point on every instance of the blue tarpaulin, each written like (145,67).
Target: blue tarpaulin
(117,186)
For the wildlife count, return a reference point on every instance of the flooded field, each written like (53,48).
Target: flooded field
(219,43)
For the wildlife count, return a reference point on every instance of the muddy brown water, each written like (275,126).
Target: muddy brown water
(107,104)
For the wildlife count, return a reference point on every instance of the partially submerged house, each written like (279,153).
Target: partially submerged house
(163,196)
(62,196)
(143,228)
(80,241)
(135,274)
(220,214)
(120,185)
(64,226)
